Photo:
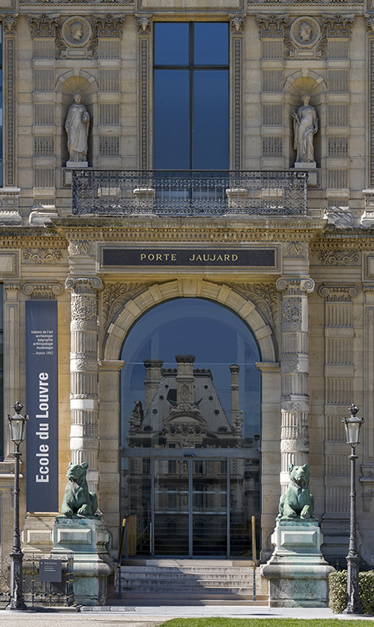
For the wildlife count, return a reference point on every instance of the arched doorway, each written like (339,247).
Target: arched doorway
(190,432)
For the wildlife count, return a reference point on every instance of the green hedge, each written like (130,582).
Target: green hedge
(338,591)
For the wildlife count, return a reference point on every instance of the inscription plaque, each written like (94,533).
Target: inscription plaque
(191,257)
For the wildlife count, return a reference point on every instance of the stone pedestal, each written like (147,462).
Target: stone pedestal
(297,571)
(87,541)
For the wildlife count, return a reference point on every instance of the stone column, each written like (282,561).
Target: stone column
(144,28)
(84,372)
(294,373)
(10,100)
(12,390)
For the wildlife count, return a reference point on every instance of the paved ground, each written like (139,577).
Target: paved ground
(154,616)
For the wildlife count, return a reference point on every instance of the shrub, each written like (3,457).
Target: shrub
(338,591)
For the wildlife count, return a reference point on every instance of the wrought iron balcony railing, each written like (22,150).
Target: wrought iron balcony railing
(189,193)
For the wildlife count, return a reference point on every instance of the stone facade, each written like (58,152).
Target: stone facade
(311,313)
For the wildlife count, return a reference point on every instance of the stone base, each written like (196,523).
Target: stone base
(78,165)
(297,571)
(87,541)
(305,165)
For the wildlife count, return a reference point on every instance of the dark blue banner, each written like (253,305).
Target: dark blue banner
(42,406)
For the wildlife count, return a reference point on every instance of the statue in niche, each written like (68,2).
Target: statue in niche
(77,125)
(305,126)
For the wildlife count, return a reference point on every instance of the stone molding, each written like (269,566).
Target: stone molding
(41,256)
(339,257)
(9,68)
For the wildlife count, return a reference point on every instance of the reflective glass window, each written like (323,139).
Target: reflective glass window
(191,83)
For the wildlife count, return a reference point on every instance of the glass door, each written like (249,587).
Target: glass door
(171,507)
(209,508)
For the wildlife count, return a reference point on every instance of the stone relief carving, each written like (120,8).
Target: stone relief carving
(272,25)
(9,24)
(84,248)
(305,126)
(337,25)
(370,23)
(304,38)
(294,286)
(292,313)
(76,31)
(297,249)
(264,296)
(42,255)
(144,23)
(116,295)
(339,257)
(237,22)
(43,26)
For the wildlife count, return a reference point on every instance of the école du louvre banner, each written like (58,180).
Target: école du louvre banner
(42,406)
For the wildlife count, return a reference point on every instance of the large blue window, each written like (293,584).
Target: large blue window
(191,96)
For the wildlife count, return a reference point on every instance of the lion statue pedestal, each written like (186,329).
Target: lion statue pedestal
(297,571)
(80,534)
(86,541)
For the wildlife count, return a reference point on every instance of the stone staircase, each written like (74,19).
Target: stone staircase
(189,582)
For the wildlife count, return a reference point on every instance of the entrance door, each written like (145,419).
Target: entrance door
(191,506)
(190,511)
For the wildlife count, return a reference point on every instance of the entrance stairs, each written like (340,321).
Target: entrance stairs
(189,582)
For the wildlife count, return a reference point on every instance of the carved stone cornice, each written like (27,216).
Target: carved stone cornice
(294,286)
(337,25)
(144,23)
(272,26)
(10,24)
(43,290)
(336,292)
(237,22)
(108,25)
(43,26)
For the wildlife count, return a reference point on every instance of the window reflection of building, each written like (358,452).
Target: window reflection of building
(182,410)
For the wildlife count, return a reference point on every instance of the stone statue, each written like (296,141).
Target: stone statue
(305,126)
(78,501)
(77,125)
(298,501)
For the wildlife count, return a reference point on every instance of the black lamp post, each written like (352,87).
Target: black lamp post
(352,431)
(17,424)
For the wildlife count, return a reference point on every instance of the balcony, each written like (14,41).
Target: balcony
(189,193)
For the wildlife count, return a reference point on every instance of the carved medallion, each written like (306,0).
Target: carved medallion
(76,32)
(305,32)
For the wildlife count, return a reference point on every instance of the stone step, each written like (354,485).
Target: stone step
(149,600)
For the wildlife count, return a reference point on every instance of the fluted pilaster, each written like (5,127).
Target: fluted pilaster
(294,372)
(84,370)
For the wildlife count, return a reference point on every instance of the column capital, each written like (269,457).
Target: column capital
(338,292)
(83,284)
(295,286)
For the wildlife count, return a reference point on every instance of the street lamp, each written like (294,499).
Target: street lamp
(17,425)
(352,431)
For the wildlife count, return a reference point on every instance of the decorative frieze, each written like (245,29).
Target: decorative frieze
(42,256)
(339,257)
(9,54)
